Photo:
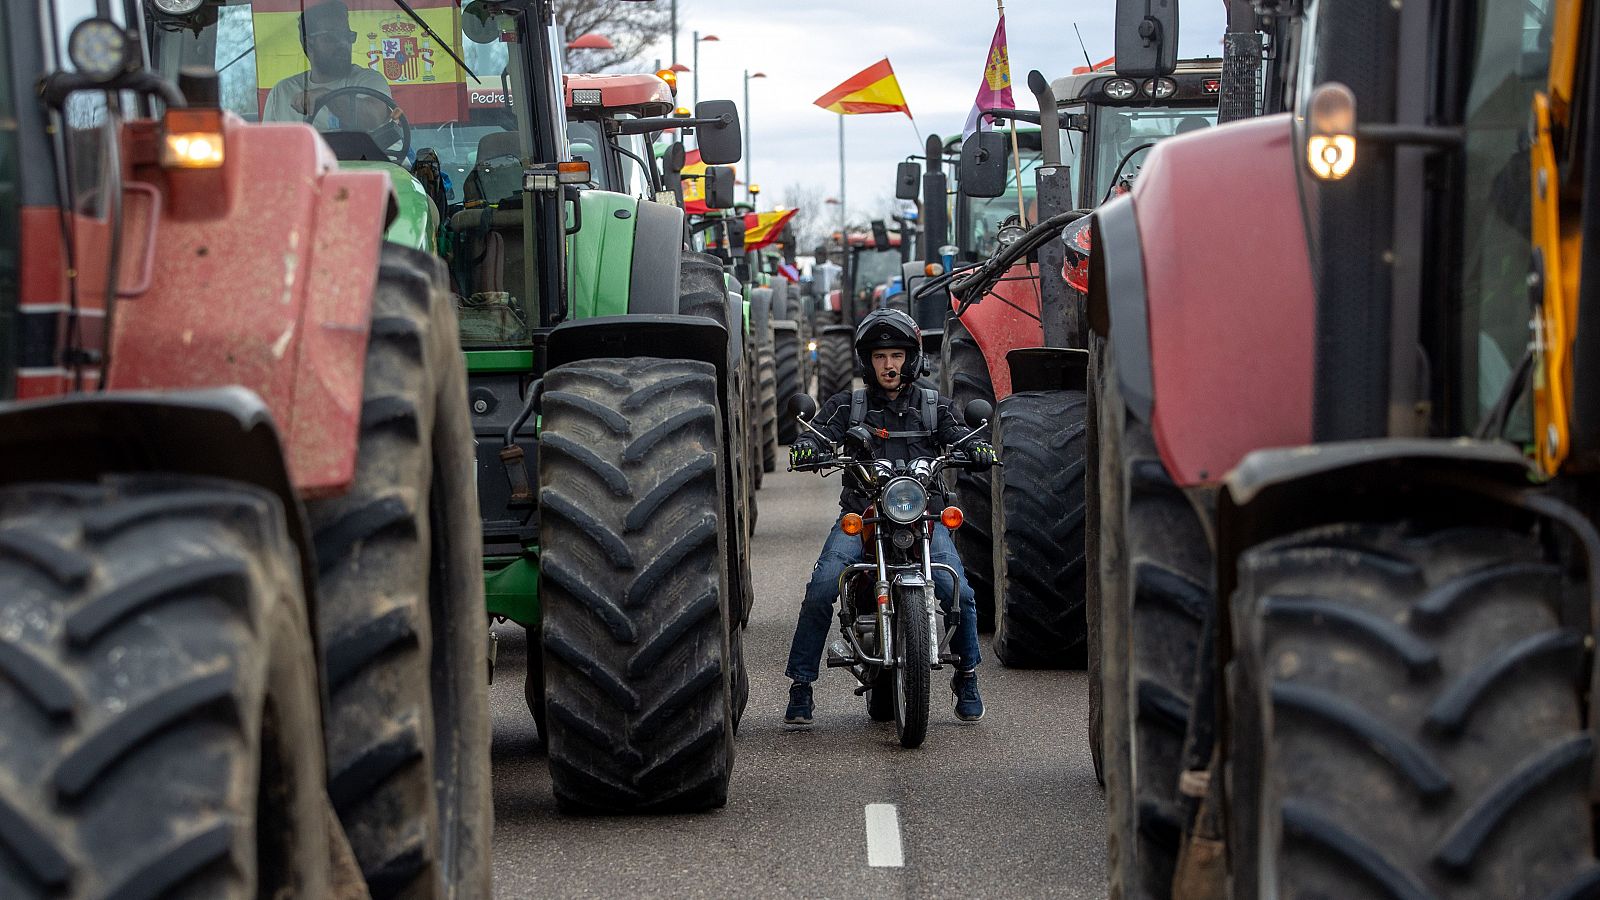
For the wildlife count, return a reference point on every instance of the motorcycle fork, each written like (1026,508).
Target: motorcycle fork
(886,643)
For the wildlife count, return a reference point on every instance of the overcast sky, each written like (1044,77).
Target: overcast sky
(937,47)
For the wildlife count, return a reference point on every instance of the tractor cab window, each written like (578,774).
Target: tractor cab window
(874,268)
(1508,65)
(426,89)
(1121,131)
(984,216)
(586,141)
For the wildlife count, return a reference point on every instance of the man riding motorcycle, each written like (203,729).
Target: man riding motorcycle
(906,422)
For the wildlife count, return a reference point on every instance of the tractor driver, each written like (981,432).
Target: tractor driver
(328,41)
(888,344)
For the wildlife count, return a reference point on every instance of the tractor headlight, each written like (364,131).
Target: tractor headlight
(176,7)
(904,501)
(99,48)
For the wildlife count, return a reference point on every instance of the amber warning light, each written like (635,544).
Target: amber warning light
(193,139)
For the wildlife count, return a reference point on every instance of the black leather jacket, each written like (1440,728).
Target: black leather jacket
(901,414)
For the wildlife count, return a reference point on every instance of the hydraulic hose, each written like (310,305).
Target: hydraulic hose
(980,281)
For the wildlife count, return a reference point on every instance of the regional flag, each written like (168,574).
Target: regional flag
(995,92)
(761,229)
(871,90)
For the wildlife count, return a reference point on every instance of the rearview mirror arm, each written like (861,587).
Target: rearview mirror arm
(642,126)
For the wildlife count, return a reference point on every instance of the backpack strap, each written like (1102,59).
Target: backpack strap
(858,406)
(930,410)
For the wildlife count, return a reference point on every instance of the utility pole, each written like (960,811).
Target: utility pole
(674,32)
(696,73)
(843,216)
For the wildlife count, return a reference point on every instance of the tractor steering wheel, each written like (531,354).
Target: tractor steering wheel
(396,128)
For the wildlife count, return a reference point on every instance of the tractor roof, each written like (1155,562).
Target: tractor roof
(1197,79)
(642,95)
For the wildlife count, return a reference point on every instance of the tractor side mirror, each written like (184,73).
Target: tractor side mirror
(1146,38)
(983,164)
(880,234)
(736,239)
(720,144)
(673,159)
(908,182)
(977,412)
(719,187)
(803,406)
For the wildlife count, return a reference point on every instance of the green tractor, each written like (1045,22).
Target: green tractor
(602,371)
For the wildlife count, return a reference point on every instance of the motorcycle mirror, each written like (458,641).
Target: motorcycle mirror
(803,406)
(977,412)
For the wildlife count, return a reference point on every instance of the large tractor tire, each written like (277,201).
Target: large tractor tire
(964,377)
(788,373)
(1155,565)
(768,381)
(1038,518)
(1408,719)
(702,291)
(836,363)
(400,606)
(637,659)
(160,695)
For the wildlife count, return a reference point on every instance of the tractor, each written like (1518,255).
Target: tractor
(238,536)
(614,540)
(1095,128)
(1343,524)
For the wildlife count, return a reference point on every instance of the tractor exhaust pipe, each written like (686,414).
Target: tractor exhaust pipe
(1049,119)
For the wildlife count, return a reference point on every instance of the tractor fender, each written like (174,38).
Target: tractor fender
(225,433)
(1005,321)
(262,277)
(1280,491)
(617,337)
(1231,317)
(657,256)
(1048,369)
(600,256)
(1116,303)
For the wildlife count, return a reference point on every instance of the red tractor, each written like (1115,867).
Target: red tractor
(1096,126)
(243,646)
(1343,523)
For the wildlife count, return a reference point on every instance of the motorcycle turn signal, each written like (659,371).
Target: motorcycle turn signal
(951,517)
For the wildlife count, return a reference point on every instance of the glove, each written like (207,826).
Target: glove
(982,455)
(805,451)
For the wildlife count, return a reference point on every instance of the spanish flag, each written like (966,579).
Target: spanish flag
(761,229)
(872,90)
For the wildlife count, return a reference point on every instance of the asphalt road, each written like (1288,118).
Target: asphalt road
(1007,807)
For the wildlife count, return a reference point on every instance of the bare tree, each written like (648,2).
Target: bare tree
(816,220)
(631,28)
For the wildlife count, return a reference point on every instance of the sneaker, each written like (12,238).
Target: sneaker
(969,706)
(799,712)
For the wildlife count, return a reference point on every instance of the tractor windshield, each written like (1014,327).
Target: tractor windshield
(1509,63)
(425,86)
(1121,130)
(609,169)
(874,268)
(985,215)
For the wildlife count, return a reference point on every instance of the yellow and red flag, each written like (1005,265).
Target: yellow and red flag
(761,229)
(694,184)
(872,90)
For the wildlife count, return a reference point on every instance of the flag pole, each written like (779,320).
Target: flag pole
(842,214)
(1016,155)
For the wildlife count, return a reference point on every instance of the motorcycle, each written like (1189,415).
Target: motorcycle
(890,635)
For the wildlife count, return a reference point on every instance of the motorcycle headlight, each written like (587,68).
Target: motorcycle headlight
(904,501)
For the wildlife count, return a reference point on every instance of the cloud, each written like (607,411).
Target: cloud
(937,48)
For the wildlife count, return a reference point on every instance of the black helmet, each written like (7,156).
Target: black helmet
(890,329)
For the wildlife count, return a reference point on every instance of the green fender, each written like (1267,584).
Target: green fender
(417,225)
(600,255)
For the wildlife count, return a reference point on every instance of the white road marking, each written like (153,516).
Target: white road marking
(883,836)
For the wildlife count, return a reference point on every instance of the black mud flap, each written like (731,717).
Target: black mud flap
(663,336)
(1048,369)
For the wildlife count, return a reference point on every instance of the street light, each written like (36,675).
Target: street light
(697,40)
(747,163)
(591,41)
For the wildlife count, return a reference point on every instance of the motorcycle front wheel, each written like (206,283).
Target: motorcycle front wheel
(912,667)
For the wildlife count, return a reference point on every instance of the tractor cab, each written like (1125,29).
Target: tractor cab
(597,106)
(449,101)
(1117,119)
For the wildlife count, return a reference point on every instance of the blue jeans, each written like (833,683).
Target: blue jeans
(816,610)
